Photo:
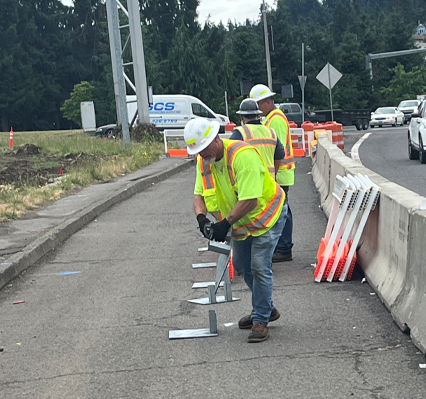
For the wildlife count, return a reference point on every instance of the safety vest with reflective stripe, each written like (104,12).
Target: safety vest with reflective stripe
(269,205)
(264,139)
(276,119)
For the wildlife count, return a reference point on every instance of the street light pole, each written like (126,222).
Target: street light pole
(268,59)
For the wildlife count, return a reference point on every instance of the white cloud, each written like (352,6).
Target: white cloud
(238,10)
(222,10)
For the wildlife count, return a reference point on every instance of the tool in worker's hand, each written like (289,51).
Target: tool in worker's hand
(208,230)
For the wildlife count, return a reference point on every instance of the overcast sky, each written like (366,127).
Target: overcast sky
(223,10)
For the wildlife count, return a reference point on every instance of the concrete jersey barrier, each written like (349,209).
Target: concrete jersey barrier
(392,248)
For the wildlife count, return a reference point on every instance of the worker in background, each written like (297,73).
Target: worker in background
(276,119)
(233,185)
(263,138)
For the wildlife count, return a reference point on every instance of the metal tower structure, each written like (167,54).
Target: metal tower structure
(120,78)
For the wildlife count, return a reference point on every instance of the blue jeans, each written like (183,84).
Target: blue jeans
(285,243)
(252,259)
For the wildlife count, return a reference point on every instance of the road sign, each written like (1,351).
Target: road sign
(302,82)
(329,76)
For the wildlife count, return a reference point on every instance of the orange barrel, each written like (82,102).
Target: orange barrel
(308,135)
(230,126)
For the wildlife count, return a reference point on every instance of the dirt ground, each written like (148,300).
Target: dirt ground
(26,165)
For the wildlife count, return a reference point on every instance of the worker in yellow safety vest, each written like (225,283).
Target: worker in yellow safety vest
(263,138)
(275,118)
(233,184)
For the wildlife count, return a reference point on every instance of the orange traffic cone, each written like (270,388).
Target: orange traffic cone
(11,138)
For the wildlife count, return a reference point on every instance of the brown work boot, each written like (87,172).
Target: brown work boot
(246,322)
(259,333)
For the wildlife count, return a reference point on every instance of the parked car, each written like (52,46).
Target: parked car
(407,107)
(386,116)
(417,134)
(105,131)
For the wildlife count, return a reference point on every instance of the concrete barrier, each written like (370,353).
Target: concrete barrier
(392,249)
(410,308)
(321,170)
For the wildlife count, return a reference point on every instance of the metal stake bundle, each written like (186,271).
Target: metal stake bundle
(222,273)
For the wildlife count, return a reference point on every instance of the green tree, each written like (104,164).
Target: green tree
(404,85)
(71,107)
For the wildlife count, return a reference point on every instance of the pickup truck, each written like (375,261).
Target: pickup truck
(293,112)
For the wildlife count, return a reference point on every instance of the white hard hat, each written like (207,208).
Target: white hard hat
(199,133)
(260,92)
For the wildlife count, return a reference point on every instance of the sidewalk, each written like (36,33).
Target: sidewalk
(23,242)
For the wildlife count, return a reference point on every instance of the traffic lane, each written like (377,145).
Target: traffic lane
(385,152)
(98,310)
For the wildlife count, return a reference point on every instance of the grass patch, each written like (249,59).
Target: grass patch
(97,159)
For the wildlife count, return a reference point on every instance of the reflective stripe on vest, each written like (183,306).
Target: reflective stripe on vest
(264,139)
(288,162)
(208,184)
(265,217)
(260,220)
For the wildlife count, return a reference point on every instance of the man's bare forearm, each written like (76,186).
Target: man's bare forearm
(199,205)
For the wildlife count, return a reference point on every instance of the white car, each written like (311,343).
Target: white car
(386,116)
(417,134)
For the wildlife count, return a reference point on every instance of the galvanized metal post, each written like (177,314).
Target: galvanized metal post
(268,58)
(117,66)
(138,60)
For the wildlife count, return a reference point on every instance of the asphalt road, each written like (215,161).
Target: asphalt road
(98,311)
(385,152)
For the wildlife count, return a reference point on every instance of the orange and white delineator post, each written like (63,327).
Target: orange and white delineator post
(370,202)
(342,251)
(343,195)
(337,250)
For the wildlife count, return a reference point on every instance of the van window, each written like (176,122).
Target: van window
(295,108)
(199,110)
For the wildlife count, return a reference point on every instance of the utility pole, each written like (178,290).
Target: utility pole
(302,82)
(268,59)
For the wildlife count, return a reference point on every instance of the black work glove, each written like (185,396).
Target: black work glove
(202,221)
(220,230)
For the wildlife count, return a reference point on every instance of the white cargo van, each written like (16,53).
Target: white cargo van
(173,111)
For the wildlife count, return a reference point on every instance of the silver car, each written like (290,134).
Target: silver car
(417,134)
(407,107)
(386,116)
